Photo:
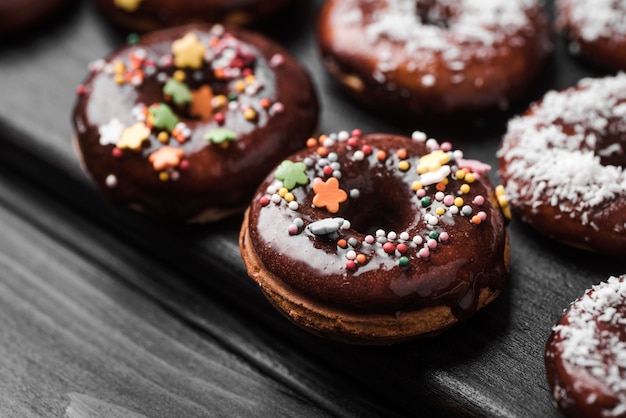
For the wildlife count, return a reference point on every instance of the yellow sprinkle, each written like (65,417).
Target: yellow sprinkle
(465,188)
(458,202)
(119,78)
(500,190)
(249,114)
(470,178)
(179,75)
(404,165)
(240,85)
(440,210)
(118,67)
(219,100)
(432,161)
(164,176)
(283,192)
(163,137)
(460,174)
(417,186)
(250,78)
(502,201)
(289,197)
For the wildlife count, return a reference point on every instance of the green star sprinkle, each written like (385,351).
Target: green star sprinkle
(291,174)
(179,91)
(163,116)
(220,135)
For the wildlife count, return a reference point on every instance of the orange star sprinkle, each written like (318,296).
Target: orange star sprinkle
(329,195)
(188,51)
(201,103)
(166,157)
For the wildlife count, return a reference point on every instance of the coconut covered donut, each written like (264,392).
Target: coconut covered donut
(585,355)
(184,124)
(595,29)
(148,15)
(375,239)
(562,165)
(434,56)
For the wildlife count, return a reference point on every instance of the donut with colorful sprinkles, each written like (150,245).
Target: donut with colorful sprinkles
(378,238)
(585,355)
(418,57)
(183,124)
(595,30)
(149,15)
(562,165)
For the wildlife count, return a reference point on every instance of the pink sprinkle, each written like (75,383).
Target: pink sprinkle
(264,201)
(446,146)
(474,166)
(367,150)
(402,248)
(352,141)
(389,248)
(432,243)
(423,253)
(80,89)
(292,229)
(277,108)
(357,132)
(482,215)
(479,200)
(327,170)
(448,200)
(350,265)
(184,165)
(369,239)
(276,60)
(116,152)
(443,237)
(421,193)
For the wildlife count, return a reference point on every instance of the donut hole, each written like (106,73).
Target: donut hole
(431,13)
(384,202)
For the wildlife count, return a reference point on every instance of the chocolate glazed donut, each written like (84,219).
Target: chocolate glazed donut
(148,15)
(585,354)
(562,164)
(434,56)
(184,124)
(376,239)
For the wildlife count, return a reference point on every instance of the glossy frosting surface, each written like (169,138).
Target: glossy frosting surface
(351,222)
(189,118)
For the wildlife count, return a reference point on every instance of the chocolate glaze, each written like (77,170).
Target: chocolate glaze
(568,216)
(316,265)
(585,351)
(382,73)
(217,178)
(152,15)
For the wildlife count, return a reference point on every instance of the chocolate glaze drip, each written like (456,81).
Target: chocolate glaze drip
(471,258)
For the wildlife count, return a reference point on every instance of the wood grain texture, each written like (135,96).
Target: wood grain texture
(106,310)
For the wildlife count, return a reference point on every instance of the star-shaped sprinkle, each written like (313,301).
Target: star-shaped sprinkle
(220,136)
(163,117)
(133,137)
(202,103)
(328,194)
(166,157)
(127,5)
(188,51)
(178,91)
(432,161)
(291,174)
(110,133)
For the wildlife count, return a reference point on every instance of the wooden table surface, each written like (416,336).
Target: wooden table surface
(106,313)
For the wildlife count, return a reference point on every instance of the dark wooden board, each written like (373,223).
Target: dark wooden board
(104,308)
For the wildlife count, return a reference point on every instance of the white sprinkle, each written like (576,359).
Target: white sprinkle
(111,181)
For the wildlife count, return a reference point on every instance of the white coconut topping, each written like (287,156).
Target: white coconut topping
(587,340)
(552,155)
(595,19)
(479,23)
